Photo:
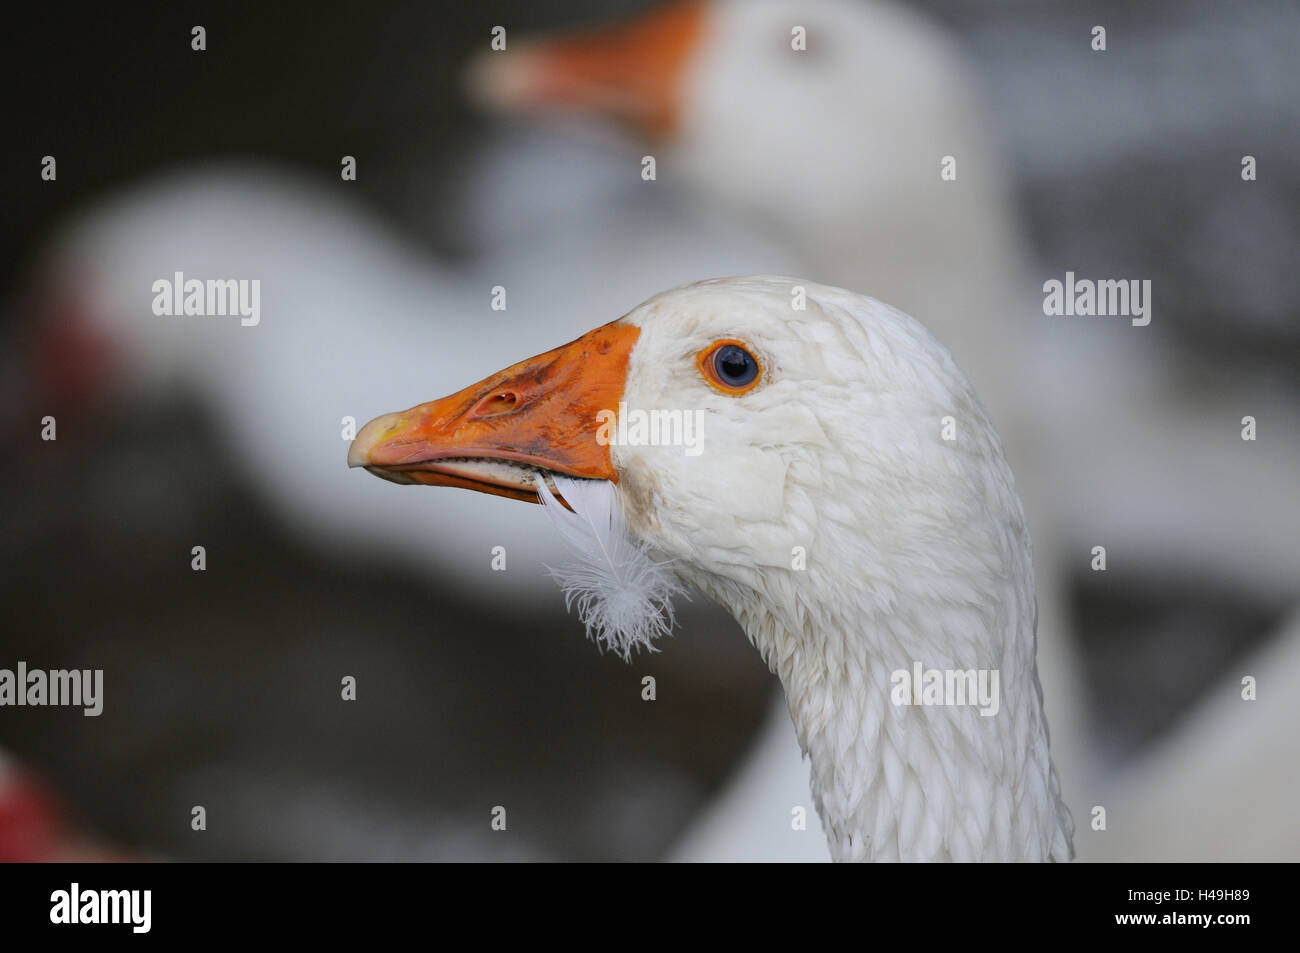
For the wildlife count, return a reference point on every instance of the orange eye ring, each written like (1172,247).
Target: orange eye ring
(730,366)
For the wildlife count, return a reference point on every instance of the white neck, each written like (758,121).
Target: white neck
(911,782)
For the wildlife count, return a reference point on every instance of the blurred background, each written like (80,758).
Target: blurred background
(222,687)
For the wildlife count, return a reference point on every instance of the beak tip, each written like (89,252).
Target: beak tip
(501,81)
(367,438)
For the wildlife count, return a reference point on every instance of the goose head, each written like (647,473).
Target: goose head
(822,505)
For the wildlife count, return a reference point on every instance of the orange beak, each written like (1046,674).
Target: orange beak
(538,416)
(631,71)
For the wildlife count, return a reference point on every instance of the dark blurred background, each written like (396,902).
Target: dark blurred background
(222,687)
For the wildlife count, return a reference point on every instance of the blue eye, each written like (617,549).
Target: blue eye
(736,367)
(730,366)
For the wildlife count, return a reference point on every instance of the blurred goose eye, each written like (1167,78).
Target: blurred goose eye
(729,366)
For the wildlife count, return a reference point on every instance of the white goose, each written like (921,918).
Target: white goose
(822,429)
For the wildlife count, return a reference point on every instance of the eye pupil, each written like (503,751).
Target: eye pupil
(736,367)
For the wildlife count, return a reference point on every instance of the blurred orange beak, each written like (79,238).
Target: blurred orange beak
(496,436)
(631,71)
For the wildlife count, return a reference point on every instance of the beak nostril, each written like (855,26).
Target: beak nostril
(501,402)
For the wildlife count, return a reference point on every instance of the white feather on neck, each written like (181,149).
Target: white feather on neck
(623,597)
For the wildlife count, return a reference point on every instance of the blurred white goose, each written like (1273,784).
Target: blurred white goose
(821,429)
(1225,785)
